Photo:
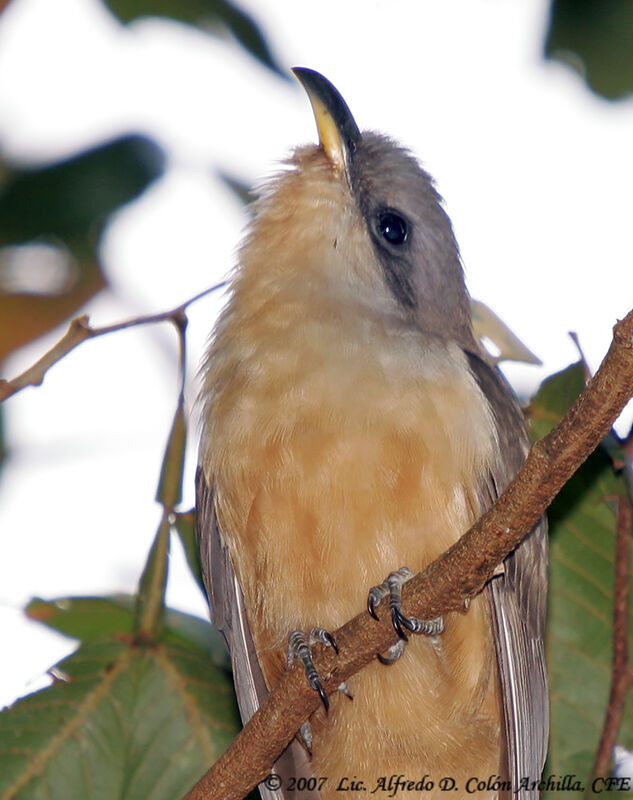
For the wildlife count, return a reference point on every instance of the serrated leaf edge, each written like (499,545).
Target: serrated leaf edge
(37,763)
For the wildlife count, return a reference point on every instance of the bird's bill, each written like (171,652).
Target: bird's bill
(338,132)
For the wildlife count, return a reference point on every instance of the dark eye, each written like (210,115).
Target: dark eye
(392,227)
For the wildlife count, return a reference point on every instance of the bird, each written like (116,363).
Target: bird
(353,428)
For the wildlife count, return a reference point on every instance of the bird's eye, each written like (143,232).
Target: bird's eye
(392,227)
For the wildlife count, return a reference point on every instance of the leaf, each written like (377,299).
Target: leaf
(580,626)
(92,619)
(68,199)
(204,13)
(170,484)
(24,317)
(150,605)
(487,325)
(555,397)
(65,206)
(184,525)
(123,721)
(240,189)
(594,38)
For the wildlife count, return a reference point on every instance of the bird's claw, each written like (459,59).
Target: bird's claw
(315,683)
(398,620)
(325,637)
(305,736)
(301,647)
(343,688)
(392,587)
(393,654)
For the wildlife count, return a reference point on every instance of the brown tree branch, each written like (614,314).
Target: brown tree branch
(445,585)
(621,677)
(79,331)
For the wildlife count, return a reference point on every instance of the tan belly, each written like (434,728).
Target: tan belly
(435,711)
(321,491)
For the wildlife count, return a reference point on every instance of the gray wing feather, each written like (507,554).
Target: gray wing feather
(518,599)
(228,614)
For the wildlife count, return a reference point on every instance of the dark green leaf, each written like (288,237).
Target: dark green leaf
(150,607)
(555,397)
(121,722)
(69,200)
(93,619)
(580,627)
(85,618)
(56,213)
(185,527)
(595,37)
(205,13)
(170,484)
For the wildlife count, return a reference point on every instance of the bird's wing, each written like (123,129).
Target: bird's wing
(518,599)
(228,614)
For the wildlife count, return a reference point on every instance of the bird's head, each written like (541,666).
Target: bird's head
(358,216)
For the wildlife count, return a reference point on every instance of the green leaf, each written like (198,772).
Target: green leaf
(55,214)
(204,13)
(92,619)
(555,397)
(150,607)
(70,200)
(123,722)
(85,618)
(184,525)
(594,37)
(580,624)
(170,484)
(582,523)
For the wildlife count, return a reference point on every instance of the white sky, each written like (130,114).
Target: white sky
(536,172)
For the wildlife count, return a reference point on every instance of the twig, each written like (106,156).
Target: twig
(79,331)
(621,678)
(445,585)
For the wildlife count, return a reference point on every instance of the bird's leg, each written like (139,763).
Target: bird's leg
(392,586)
(305,731)
(301,647)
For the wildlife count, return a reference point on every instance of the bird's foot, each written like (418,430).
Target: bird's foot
(305,731)
(305,736)
(344,689)
(392,587)
(301,647)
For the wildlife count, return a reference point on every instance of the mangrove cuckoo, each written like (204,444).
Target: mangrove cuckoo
(352,426)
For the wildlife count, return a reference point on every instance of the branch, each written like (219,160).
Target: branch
(445,585)
(79,331)
(621,678)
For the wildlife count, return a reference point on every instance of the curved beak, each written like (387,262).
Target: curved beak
(338,132)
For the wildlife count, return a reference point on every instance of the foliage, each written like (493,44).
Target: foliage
(582,521)
(594,38)
(124,718)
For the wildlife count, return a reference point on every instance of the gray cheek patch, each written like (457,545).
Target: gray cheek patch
(397,272)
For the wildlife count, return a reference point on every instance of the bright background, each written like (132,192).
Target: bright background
(536,172)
